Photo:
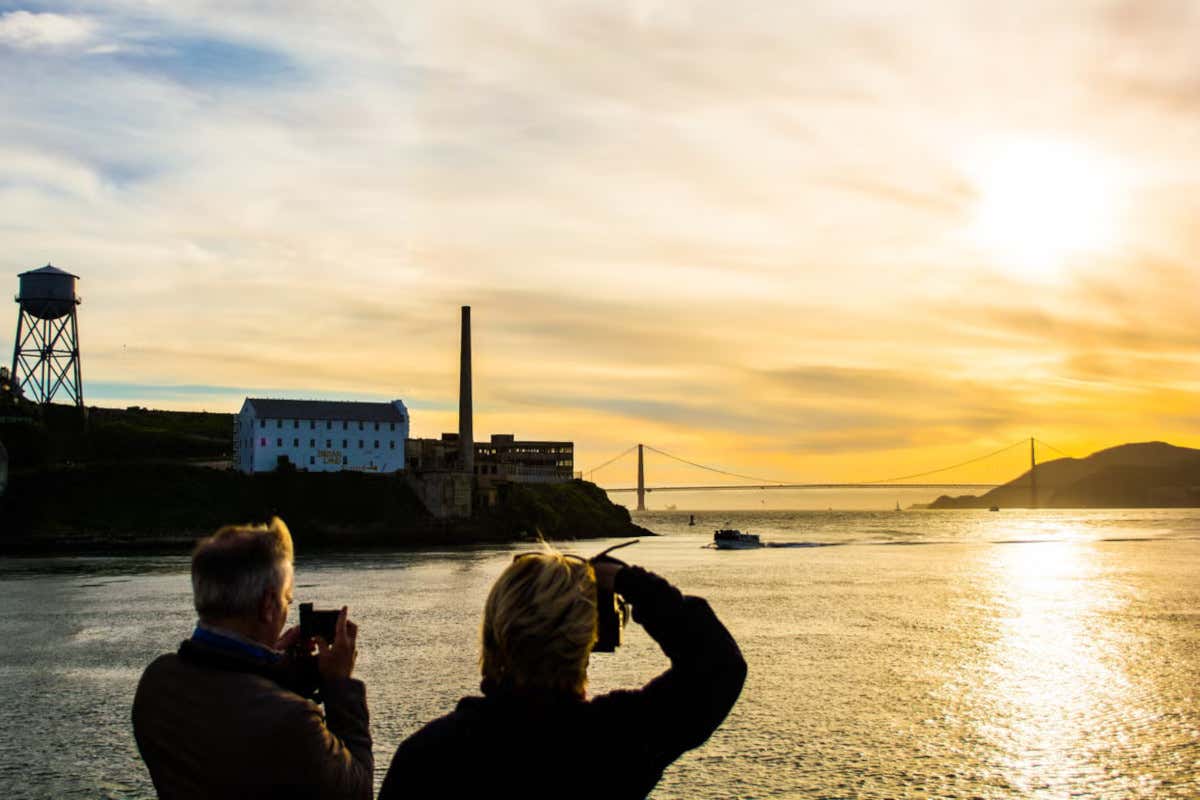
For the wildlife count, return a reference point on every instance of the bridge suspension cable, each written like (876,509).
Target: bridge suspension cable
(712,469)
(1049,446)
(763,483)
(952,466)
(621,455)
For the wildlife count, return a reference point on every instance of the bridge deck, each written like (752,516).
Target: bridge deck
(756,487)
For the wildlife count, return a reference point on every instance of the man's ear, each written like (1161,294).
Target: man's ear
(268,606)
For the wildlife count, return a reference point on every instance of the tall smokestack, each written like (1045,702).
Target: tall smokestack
(466,432)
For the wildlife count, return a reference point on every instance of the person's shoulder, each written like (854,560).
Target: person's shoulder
(448,729)
(172,674)
(611,707)
(422,762)
(166,661)
(160,669)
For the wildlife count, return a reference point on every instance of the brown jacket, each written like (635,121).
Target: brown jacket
(213,724)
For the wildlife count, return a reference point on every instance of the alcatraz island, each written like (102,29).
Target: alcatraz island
(347,475)
(344,475)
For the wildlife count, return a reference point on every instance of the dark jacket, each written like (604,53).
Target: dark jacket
(612,746)
(210,723)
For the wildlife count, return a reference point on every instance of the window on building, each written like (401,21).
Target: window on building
(312,424)
(345,426)
(392,444)
(262,423)
(345,460)
(312,442)
(376,444)
(328,424)
(278,423)
(344,445)
(329,443)
(296,423)
(376,426)
(391,426)
(263,441)
(312,460)
(279,442)
(360,444)
(360,425)
(295,442)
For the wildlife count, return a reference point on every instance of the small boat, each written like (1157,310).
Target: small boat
(994,508)
(732,539)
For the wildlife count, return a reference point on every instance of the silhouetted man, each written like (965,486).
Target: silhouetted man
(232,714)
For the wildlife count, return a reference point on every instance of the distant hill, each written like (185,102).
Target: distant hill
(1141,475)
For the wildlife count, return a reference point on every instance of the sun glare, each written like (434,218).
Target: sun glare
(1041,204)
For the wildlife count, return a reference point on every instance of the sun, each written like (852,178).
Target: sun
(1042,205)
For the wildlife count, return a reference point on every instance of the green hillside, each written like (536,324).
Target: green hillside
(37,438)
(165,507)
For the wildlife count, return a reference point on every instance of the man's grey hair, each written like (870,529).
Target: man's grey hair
(237,565)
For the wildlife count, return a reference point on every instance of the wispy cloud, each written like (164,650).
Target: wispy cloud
(24,30)
(729,231)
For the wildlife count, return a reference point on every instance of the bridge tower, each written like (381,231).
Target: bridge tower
(1033,500)
(641,488)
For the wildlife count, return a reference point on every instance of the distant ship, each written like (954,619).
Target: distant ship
(731,539)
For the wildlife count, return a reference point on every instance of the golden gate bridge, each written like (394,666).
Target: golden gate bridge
(758,483)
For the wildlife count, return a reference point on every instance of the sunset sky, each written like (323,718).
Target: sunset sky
(813,241)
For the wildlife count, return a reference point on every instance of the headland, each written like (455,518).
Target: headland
(138,480)
(1138,475)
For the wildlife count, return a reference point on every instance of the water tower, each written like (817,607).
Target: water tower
(46,350)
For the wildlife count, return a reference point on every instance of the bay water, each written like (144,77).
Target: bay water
(1044,654)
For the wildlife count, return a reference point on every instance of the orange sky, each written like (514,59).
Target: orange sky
(820,241)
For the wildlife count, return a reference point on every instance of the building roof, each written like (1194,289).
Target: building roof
(49,269)
(339,410)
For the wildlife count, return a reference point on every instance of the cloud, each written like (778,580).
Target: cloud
(24,30)
(725,231)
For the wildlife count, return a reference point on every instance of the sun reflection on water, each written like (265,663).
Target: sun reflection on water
(1053,682)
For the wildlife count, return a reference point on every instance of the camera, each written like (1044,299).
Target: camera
(612,611)
(318,623)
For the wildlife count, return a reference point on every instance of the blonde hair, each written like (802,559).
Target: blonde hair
(233,568)
(539,624)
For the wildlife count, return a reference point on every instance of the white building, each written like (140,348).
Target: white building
(320,435)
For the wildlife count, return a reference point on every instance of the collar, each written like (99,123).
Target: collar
(234,643)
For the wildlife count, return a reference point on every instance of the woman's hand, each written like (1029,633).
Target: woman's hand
(606,572)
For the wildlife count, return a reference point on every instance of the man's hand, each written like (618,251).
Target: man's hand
(289,638)
(336,661)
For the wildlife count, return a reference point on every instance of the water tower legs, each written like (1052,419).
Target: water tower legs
(46,358)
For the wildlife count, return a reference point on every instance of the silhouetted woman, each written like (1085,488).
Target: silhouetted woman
(535,732)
